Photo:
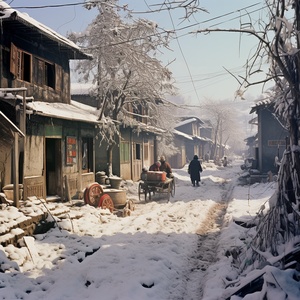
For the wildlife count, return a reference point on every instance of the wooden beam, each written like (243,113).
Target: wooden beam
(16,170)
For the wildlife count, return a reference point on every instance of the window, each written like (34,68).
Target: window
(146,152)
(33,69)
(87,154)
(138,151)
(124,152)
(20,64)
(138,111)
(49,75)
(45,73)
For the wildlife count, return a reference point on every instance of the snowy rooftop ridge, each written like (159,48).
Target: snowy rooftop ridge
(7,12)
(63,111)
(187,136)
(261,103)
(187,121)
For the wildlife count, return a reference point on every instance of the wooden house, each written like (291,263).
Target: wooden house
(135,145)
(199,131)
(180,159)
(271,136)
(56,156)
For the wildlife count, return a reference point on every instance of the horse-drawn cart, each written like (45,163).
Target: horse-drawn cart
(154,182)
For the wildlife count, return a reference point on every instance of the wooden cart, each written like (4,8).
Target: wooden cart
(94,195)
(151,187)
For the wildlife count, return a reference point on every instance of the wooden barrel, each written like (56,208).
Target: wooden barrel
(118,196)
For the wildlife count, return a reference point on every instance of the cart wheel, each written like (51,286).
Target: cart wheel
(140,190)
(169,191)
(149,190)
(173,187)
(106,202)
(92,194)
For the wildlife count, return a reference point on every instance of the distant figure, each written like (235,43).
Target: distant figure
(206,157)
(155,166)
(194,170)
(165,166)
(225,161)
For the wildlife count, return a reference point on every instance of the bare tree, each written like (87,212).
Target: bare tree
(128,79)
(278,42)
(223,119)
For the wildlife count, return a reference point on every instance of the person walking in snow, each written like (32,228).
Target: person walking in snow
(194,170)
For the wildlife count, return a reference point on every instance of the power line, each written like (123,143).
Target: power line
(189,71)
(175,30)
(49,6)
(162,29)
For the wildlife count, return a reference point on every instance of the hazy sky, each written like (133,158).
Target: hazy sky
(198,61)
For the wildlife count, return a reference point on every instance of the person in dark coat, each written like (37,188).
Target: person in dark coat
(194,170)
(155,166)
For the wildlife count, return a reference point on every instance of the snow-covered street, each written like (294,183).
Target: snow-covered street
(162,250)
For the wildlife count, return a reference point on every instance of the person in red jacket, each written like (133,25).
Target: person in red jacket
(155,166)
(165,166)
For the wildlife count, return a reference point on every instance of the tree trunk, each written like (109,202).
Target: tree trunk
(109,159)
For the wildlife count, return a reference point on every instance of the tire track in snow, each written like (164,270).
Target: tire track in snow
(206,254)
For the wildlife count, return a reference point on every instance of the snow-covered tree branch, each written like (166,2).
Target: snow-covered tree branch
(278,46)
(125,71)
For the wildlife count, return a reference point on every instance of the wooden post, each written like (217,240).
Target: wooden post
(16,169)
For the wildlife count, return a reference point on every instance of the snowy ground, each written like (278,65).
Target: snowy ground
(161,251)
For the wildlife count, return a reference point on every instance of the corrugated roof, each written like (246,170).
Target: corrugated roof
(260,103)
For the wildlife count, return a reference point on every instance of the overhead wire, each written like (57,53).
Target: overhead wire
(163,30)
(183,56)
(174,31)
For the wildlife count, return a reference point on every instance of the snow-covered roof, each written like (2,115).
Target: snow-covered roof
(187,120)
(81,88)
(258,104)
(187,136)
(203,139)
(63,111)
(264,99)
(21,20)
(140,126)
(184,122)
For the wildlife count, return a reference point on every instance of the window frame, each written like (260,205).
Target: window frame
(124,152)
(87,149)
(23,64)
(20,64)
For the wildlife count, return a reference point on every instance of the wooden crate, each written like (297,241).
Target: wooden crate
(156,176)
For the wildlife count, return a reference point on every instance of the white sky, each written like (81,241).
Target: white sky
(200,58)
(161,245)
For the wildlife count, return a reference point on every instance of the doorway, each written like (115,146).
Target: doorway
(53,167)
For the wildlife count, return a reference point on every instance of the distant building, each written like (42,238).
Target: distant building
(200,132)
(271,136)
